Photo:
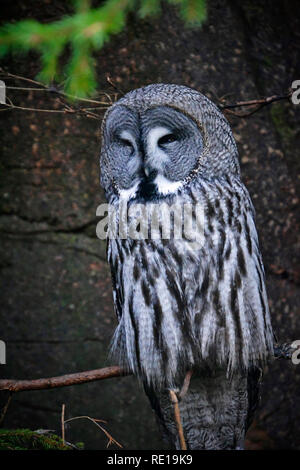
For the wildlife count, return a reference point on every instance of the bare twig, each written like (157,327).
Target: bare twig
(13,106)
(63,407)
(102,105)
(111,440)
(174,400)
(260,101)
(118,90)
(51,89)
(254,105)
(186,384)
(62,380)
(18,77)
(257,104)
(67,109)
(54,90)
(5,408)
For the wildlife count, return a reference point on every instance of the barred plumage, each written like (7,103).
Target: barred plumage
(205,305)
(181,306)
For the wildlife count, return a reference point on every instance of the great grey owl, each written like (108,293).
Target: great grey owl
(182,307)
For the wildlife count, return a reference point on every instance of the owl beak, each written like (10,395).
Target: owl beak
(150,173)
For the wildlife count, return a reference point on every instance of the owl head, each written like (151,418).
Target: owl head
(159,138)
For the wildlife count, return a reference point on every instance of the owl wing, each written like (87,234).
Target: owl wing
(116,287)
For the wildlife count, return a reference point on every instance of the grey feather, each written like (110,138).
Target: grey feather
(179,308)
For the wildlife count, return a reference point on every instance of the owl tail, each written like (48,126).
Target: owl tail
(215,412)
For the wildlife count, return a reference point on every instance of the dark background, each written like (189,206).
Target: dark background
(56,304)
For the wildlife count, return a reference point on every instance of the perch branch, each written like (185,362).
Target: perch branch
(62,380)
(174,401)
(281,351)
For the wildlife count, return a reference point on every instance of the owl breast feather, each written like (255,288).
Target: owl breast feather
(184,305)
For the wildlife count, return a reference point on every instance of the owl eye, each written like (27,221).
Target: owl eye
(126,143)
(167,139)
